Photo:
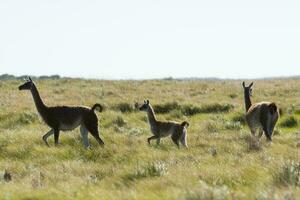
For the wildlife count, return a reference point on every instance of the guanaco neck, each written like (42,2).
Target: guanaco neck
(151,116)
(247,100)
(41,107)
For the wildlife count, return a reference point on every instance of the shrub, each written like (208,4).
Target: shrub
(26,118)
(124,107)
(239,117)
(166,108)
(190,110)
(213,151)
(233,96)
(289,174)
(216,108)
(176,114)
(297,109)
(289,122)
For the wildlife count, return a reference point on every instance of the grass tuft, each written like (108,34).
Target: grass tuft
(289,174)
(253,143)
(211,126)
(119,121)
(152,169)
(204,191)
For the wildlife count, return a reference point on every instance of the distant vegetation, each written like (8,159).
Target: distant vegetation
(11,77)
(190,109)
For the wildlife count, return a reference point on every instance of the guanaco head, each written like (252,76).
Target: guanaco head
(145,106)
(247,89)
(27,85)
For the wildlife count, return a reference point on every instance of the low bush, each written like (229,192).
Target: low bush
(216,108)
(166,108)
(190,110)
(239,117)
(289,122)
(124,107)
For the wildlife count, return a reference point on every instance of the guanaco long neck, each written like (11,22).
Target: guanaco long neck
(41,107)
(151,116)
(247,100)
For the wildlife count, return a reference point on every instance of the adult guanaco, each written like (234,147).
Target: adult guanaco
(65,118)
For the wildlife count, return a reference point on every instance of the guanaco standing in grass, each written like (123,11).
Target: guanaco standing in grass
(64,118)
(263,115)
(162,129)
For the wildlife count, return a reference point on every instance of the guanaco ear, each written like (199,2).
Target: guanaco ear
(251,84)
(147,102)
(243,84)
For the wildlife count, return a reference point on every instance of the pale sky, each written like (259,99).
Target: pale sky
(121,39)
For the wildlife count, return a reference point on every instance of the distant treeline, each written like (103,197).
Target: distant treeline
(12,77)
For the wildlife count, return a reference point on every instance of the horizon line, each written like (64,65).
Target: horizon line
(7,76)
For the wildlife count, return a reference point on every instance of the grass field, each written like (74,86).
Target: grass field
(221,162)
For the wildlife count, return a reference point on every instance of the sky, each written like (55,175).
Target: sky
(144,39)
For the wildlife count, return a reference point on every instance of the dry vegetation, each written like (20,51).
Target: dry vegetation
(222,161)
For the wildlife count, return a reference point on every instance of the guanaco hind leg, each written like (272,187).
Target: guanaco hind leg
(84,135)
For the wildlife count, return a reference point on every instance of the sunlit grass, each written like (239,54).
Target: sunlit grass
(222,161)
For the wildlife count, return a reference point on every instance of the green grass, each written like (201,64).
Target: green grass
(222,162)
(289,121)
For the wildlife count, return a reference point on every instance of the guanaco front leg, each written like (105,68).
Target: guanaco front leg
(45,137)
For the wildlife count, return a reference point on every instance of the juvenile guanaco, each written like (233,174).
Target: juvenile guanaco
(162,129)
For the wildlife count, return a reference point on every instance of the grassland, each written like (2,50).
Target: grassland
(222,162)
